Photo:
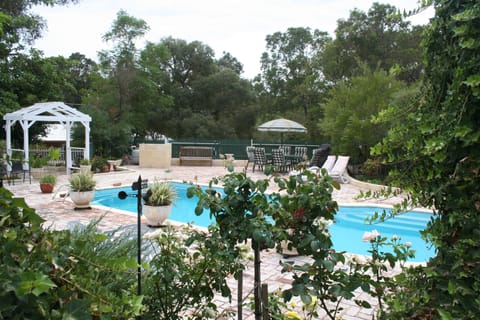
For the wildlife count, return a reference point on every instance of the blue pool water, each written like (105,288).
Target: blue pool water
(346,232)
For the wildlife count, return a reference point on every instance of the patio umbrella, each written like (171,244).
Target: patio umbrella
(282,125)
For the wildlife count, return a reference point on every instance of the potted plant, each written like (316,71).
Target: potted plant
(85,165)
(82,189)
(47,183)
(158,202)
(36,164)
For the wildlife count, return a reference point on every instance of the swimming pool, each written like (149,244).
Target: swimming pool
(346,232)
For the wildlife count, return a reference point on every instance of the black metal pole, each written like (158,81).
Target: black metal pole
(139,235)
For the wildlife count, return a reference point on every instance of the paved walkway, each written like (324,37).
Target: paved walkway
(59,214)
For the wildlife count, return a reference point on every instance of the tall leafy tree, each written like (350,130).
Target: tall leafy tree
(25,76)
(114,101)
(228,101)
(19,26)
(350,108)
(210,99)
(291,82)
(380,38)
(119,64)
(436,149)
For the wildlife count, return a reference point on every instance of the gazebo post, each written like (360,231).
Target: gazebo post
(68,149)
(25,125)
(9,143)
(8,135)
(86,152)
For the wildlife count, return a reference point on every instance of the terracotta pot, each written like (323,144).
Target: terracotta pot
(156,215)
(82,199)
(47,187)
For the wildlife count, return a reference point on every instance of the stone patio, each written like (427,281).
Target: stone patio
(59,213)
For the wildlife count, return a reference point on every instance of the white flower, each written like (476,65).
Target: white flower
(322,223)
(359,259)
(370,236)
(153,235)
(367,236)
(394,237)
(408,244)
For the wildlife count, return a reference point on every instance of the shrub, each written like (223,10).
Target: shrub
(58,274)
(48,178)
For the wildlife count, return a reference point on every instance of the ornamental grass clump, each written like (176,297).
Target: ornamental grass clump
(82,181)
(160,193)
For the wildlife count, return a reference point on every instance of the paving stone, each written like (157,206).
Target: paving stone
(59,213)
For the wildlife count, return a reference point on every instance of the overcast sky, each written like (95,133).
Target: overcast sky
(235,26)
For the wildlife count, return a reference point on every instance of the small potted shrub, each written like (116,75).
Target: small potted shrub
(82,189)
(85,165)
(47,183)
(36,164)
(158,202)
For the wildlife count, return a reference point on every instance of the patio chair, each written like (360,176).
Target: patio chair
(279,161)
(329,163)
(260,159)
(18,168)
(286,149)
(299,155)
(320,155)
(250,156)
(339,170)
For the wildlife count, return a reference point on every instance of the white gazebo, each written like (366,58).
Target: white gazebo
(51,112)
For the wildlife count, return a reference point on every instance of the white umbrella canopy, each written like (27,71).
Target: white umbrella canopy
(282,125)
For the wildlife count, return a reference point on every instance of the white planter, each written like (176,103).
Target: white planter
(36,173)
(85,168)
(82,199)
(156,215)
(288,252)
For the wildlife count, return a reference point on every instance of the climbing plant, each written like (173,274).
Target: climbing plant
(435,151)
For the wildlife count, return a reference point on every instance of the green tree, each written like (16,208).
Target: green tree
(350,108)
(209,98)
(119,64)
(436,150)
(228,101)
(25,77)
(380,38)
(291,82)
(19,26)
(113,100)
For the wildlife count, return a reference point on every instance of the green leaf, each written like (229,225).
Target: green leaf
(77,309)
(444,315)
(35,283)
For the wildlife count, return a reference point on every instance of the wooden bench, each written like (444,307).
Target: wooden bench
(196,156)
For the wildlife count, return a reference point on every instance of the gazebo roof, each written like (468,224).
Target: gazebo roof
(48,112)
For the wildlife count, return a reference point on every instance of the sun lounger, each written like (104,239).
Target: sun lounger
(329,163)
(339,170)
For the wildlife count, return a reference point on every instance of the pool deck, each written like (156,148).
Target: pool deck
(59,213)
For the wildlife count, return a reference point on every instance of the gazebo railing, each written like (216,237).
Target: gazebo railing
(77,155)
